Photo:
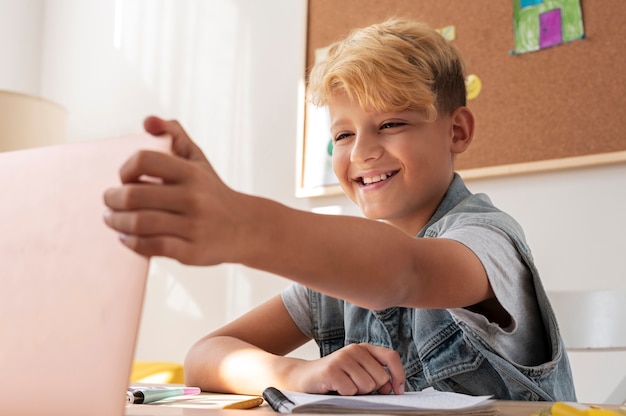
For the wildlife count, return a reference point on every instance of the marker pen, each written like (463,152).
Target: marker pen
(277,400)
(144,395)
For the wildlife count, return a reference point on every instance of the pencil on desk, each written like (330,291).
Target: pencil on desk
(245,404)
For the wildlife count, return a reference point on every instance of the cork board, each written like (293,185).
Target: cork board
(554,108)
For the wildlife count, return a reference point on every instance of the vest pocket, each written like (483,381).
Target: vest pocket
(447,354)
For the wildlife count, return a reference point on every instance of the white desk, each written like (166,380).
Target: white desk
(503,408)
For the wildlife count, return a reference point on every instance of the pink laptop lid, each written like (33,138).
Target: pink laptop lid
(71,294)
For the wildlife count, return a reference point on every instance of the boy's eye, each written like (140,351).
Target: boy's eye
(341,136)
(391,125)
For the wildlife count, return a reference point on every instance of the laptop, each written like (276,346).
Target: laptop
(71,294)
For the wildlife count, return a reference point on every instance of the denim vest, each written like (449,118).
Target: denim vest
(436,349)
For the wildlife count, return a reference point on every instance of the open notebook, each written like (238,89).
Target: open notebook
(71,294)
(429,402)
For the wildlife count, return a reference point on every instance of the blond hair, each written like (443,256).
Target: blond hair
(392,66)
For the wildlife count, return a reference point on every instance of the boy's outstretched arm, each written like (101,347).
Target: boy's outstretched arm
(196,219)
(246,356)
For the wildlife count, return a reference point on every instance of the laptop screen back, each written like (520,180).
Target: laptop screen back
(71,294)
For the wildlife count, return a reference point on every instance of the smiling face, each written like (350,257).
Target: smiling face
(397,100)
(396,166)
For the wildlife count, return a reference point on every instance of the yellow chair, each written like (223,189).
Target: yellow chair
(158,372)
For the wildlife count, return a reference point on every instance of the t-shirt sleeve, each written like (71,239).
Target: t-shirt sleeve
(507,273)
(296,300)
(523,341)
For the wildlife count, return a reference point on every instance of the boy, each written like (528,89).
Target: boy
(440,290)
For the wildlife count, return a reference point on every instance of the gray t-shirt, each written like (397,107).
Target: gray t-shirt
(523,341)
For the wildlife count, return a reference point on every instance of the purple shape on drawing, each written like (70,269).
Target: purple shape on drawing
(550,33)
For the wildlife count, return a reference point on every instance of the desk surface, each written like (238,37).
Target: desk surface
(503,408)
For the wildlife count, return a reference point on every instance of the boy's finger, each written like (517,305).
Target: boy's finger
(391,360)
(182,145)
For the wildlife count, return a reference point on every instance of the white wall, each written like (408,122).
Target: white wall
(21,26)
(230,71)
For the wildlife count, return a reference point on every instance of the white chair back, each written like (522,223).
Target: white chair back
(593,321)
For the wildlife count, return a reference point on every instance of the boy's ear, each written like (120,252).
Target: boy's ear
(462,129)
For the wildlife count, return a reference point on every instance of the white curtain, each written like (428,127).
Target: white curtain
(229,70)
(113,62)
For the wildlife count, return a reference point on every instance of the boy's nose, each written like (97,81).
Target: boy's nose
(366,147)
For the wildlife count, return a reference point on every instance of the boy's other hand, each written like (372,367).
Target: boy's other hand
(354,369)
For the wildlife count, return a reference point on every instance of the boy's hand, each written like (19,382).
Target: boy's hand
(354,369)
(186,216)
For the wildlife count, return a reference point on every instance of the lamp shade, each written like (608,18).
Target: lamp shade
(28,121)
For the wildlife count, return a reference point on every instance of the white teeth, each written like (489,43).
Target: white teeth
(374,179)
